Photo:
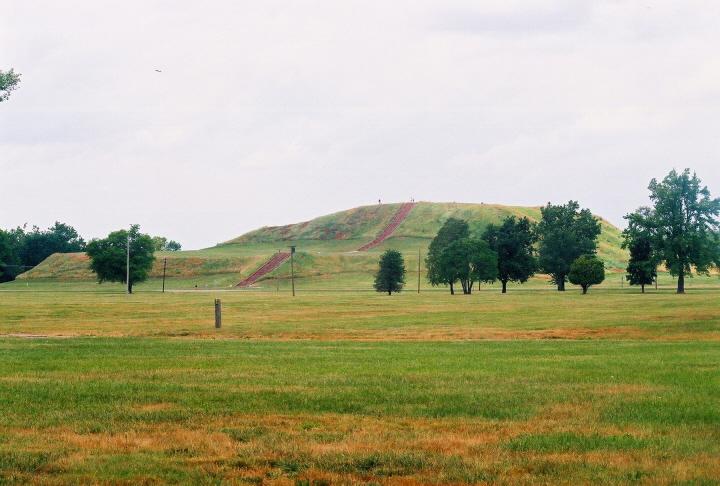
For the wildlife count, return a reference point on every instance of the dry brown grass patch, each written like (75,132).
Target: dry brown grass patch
(157,438)
(208,446)
(153,407)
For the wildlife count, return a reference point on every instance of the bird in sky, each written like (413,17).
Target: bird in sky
(158,71)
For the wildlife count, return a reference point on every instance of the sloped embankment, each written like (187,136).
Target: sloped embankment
(396,221)
(326,245)
(76,266)
(268,267)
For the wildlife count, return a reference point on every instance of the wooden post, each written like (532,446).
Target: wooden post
(218,314)
(164,268)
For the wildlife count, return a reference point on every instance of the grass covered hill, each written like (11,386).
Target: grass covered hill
(344,232)
(327,247)
(348,230)
(361,224)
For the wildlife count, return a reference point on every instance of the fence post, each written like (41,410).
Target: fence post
(218,314)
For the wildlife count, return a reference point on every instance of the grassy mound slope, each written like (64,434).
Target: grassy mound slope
(326,245)
(347,230)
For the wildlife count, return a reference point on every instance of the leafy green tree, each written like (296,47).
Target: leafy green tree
(452,265)
(566,232)
(173,245)
(682,224)
(37,245)
(483,263)
(437,272)
(587,270)
(108,256)
(159,243)
(642,266)
(468,260)
(9,81)
(513,242)
(163,244)
(391,272)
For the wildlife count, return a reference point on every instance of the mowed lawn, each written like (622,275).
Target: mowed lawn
(530,387)
(602,314)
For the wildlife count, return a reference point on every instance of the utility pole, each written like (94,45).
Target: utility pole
(127,265)
(164,268)
(292,268)
(418,270)
(277,279)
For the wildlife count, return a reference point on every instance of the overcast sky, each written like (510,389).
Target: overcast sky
(272,112)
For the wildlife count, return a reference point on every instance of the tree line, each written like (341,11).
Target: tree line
(679,231)
(22,249)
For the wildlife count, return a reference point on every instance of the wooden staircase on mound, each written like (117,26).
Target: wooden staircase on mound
(399,217)
(267,267)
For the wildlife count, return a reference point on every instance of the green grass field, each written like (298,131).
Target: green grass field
(534,386)
(341,385)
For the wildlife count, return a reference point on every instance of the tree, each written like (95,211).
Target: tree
(8,82)
(159,243)
(37,245)
(566,232)
(8,256)
(483,263)
(173,245)
(587,270)
(452,230)
(108,256)
(163,244)
(468,260)
(452,265)
(642,266)
(391,272)
(513,242)
(682,224)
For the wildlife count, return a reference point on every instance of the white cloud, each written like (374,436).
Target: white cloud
(277,111)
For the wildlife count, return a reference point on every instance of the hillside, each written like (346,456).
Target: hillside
(327,247)
(363,223)
(346,230)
